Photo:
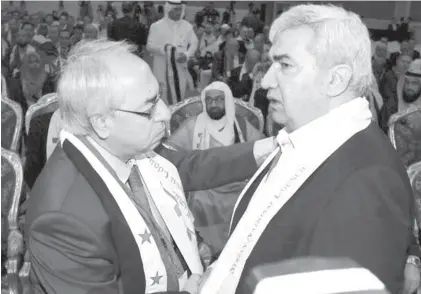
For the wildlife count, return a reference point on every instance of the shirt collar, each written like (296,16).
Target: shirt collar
(310,133)
(121,168)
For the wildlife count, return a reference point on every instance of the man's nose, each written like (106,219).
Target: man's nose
(162,113)
(269,80)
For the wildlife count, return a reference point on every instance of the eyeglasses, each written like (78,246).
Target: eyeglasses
(148,114)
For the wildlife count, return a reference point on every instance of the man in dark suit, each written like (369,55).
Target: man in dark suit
(107,215)
(231,55)
(336,187)
(127,28)
(241,78)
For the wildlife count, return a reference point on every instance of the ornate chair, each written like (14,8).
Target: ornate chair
(12,239)
(46,104)
(405,134)
(193,106)
(4,90)
(11,124)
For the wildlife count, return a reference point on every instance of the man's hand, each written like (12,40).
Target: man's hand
(412,279)
(263,148)
(181,58)
(192,285)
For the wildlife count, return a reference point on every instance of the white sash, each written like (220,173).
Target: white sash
(164,185)
(295,166)
(153,266)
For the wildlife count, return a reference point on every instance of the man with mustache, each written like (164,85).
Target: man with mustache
(217,126)
(100,218)
(335,186)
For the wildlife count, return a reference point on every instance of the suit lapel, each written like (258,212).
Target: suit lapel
(128,256)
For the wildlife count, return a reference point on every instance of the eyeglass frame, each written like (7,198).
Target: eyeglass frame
(149,114)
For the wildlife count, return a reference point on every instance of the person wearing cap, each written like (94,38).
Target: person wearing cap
(335,186)
(408,90)
(172,42)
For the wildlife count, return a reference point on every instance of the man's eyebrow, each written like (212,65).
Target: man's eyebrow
(278,57)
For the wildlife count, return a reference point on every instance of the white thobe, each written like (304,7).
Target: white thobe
(179,34)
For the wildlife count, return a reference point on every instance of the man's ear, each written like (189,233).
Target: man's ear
(101,125)
(339,78)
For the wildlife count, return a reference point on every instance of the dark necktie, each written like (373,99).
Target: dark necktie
(136,185)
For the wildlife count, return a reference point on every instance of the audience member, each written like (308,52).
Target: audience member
(127,28)
(63,21)
(230,56)
(218,125)
(90,32)
(241,78)
(19,52)
(172,42)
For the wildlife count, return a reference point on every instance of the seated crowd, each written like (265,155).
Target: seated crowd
(207,96)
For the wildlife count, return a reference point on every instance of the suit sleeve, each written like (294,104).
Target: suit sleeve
(67,257)
(212,168)
(368,220)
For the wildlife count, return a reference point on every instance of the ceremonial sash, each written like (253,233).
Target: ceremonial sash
(153,265)
(164,185)
(294,167)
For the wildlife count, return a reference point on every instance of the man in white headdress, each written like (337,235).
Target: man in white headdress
(172,42)
(216,126)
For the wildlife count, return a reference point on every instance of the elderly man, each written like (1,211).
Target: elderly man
(335,186)
(216,126)
(172,42)
(107,214)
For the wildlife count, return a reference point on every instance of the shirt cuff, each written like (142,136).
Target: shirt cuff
(263,148)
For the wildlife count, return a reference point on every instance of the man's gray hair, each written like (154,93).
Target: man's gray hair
(340,38)
(88,85)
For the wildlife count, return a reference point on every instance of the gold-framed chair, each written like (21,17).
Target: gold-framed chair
(193,106)
(12,237)
(405,134)
(11,124)
(46,104)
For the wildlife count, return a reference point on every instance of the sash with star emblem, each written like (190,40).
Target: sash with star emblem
(153,265)
(164,185)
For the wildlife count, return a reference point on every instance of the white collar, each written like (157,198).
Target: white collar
(326,124)
(121,168)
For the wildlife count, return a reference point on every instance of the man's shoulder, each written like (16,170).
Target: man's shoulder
(61,188)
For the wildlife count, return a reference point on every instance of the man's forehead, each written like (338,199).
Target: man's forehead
(291,43)
(214,93)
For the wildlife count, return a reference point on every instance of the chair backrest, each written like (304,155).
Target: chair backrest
(11,124)
(414,174)
(11,191)
(405,134)
(4,90)
(46,104)
(193,106)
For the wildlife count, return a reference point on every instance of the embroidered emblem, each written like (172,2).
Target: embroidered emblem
(190,234)
(156,279)
(146,237)
(177,205)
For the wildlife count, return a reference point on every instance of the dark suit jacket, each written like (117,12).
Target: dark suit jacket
(358,204)
(78,239)
(128,29)
(218,64)
(240,86)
